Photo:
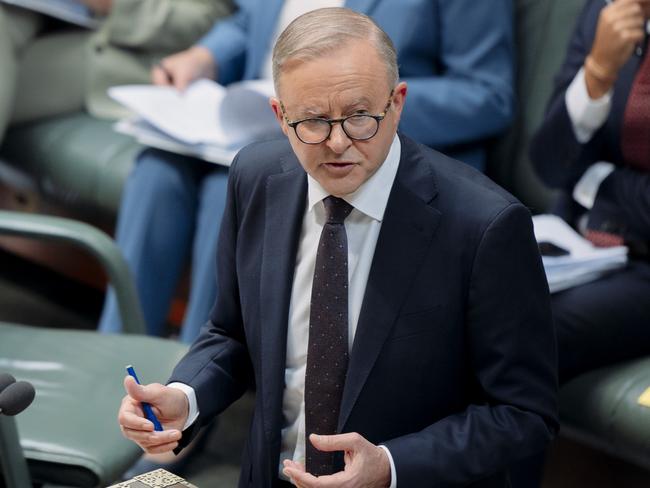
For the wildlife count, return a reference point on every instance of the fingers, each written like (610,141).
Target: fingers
(159,76)
(621,25)
(302,479)
(151,393)
(299,477)
(291,469)
(138,429)
(150,439)
(182,80)
(154,442)
(342,442)
(172,71)
(135,391)
(365,463)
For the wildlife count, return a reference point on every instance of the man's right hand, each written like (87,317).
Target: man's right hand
(170,406)
(621,26)
(183,68)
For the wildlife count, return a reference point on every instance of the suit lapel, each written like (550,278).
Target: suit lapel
(406,235)
(285,205)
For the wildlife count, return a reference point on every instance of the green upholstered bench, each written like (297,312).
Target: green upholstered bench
(74,163)
(601,409)
(70,435)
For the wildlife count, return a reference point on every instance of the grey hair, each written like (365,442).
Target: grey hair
(325,30)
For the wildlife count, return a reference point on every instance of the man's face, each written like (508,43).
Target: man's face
(350,81)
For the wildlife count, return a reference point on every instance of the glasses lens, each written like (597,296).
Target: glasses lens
(360,126)
(313,131)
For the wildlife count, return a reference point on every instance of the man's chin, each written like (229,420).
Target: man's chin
(340,188)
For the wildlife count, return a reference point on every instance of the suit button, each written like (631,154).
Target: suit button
(99,49)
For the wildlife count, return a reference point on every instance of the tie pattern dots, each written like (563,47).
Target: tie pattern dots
(327,351)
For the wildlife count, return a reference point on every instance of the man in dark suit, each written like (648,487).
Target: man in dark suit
(373,291)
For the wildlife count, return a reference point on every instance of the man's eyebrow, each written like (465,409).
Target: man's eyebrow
(359,102)
(315,112)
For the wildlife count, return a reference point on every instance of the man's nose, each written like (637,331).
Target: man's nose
(338,140)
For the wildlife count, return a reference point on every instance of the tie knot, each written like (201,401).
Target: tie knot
(337,209)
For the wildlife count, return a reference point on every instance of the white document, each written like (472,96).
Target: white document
(206,115)
(583,262)
(148,135)
(69,10)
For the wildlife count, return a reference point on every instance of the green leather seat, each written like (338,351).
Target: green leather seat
(543,29)
(69,435)
(74,159)
(601,408)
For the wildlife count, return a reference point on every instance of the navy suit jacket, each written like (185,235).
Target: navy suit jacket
(456,55)
(623,201)
(453,363)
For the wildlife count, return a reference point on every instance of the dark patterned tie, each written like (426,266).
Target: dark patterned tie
(327,352)
(635,138)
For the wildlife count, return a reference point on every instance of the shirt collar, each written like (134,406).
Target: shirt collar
(371,197)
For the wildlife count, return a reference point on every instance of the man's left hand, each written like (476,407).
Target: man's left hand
(366,465)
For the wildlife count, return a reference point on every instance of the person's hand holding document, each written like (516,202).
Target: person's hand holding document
(181,69)
(205,117)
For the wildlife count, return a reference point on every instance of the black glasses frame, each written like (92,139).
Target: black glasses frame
(378,118)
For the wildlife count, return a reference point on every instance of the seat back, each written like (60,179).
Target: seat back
(543,29)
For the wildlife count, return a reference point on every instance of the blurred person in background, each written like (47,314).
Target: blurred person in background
(46,72)
(594,147)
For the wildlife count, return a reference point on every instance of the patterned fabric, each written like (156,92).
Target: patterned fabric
(603,239)
(327,351)
(636,122)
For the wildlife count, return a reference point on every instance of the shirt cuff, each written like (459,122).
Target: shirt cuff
(393,473)
(191,398)
(587,115)
(587,187)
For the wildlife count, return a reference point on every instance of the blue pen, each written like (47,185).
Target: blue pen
(148,411)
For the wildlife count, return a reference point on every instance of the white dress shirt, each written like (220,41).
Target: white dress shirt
(362,227)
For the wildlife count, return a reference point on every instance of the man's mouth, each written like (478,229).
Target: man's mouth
(339,164)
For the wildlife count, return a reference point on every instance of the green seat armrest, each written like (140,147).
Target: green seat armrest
(94,241)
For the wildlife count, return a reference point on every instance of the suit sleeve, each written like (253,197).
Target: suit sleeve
(513,361)
(162,25)
(559,158)
(624,196)
(472,97)
(218,364)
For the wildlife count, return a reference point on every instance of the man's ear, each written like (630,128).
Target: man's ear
(277,110)
(399,96)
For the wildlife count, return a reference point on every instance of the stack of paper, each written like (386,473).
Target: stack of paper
(207,120)
(569,259)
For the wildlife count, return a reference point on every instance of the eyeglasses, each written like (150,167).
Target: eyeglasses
(358,127)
